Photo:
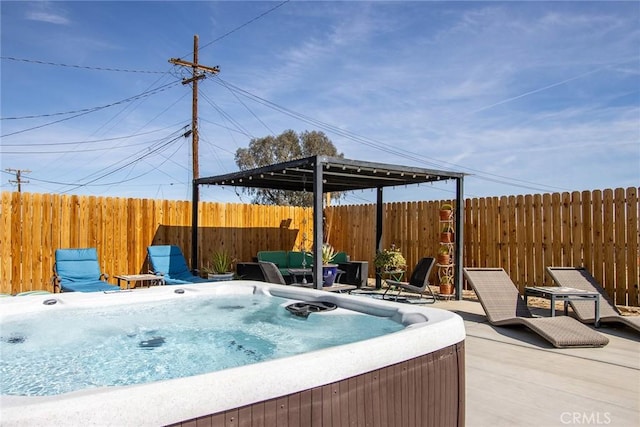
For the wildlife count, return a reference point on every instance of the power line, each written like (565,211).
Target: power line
(85,150)
(385,148)
(93,141)
(156,150)
(35,61)
(144,94)
(251,21)
(92,109)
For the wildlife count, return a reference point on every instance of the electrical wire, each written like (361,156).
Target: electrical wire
(225,115)
(228,33)
(384,147)
(35,61)
(249,109)
(92,110)
(93,141)
(136,160)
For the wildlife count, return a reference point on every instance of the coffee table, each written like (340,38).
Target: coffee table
(151,278)
(564,294)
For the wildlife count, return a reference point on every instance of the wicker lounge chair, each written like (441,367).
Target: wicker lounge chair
(418,282)
(580,278)
(168,261)
(262,271)
(78,270)
(271,273)
(504,306)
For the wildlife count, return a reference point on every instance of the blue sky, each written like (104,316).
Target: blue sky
(526,97)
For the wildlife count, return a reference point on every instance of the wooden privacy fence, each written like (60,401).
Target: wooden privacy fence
(33,226)
(523,234)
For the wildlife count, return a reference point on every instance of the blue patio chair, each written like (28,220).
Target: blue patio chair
(77,270)
(168,261)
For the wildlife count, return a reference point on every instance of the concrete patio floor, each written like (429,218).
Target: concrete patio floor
(515,378)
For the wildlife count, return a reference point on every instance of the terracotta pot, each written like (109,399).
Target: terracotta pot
(446,237)
(443,259)
(445,214)
(446,289)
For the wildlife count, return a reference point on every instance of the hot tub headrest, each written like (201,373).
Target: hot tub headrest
(303,309)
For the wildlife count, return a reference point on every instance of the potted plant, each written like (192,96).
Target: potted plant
(444,255)
(446,235)
(389,260)
(446,211)
(220,266)
(446,284)
(329,270)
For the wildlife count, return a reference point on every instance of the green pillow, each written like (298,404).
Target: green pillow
(340,257)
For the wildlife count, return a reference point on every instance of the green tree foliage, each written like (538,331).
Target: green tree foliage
(287,146)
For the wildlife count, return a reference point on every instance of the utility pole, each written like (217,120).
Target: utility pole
(18,179)
(198,72)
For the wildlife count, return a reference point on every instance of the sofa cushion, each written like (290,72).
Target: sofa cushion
(340,257)
(295,259)
(279,258)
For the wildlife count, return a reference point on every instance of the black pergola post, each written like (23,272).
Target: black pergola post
(195,200)
(379,221)
(459,237)
(318,224)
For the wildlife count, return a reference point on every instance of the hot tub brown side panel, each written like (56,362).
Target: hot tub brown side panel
(425,391)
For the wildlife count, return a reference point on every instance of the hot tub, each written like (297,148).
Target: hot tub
(411,377)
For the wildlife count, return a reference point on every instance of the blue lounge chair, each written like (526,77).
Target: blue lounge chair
(77,270)
(168,261)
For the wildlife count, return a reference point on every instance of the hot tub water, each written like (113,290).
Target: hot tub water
(70,350)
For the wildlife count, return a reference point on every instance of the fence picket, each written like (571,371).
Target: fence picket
(620,247)
(608,279)
(633,249)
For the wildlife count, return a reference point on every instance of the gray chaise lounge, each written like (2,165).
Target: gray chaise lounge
(504,306)
(580,278)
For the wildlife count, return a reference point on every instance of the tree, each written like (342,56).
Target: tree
(284,147)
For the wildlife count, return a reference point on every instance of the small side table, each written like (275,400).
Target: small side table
(151,278)
(339,288)
(302,272)
(558,293)
(336,287)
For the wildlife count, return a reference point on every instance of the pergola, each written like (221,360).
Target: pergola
(322,174)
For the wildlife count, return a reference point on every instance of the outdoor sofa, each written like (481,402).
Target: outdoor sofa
(353,272)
